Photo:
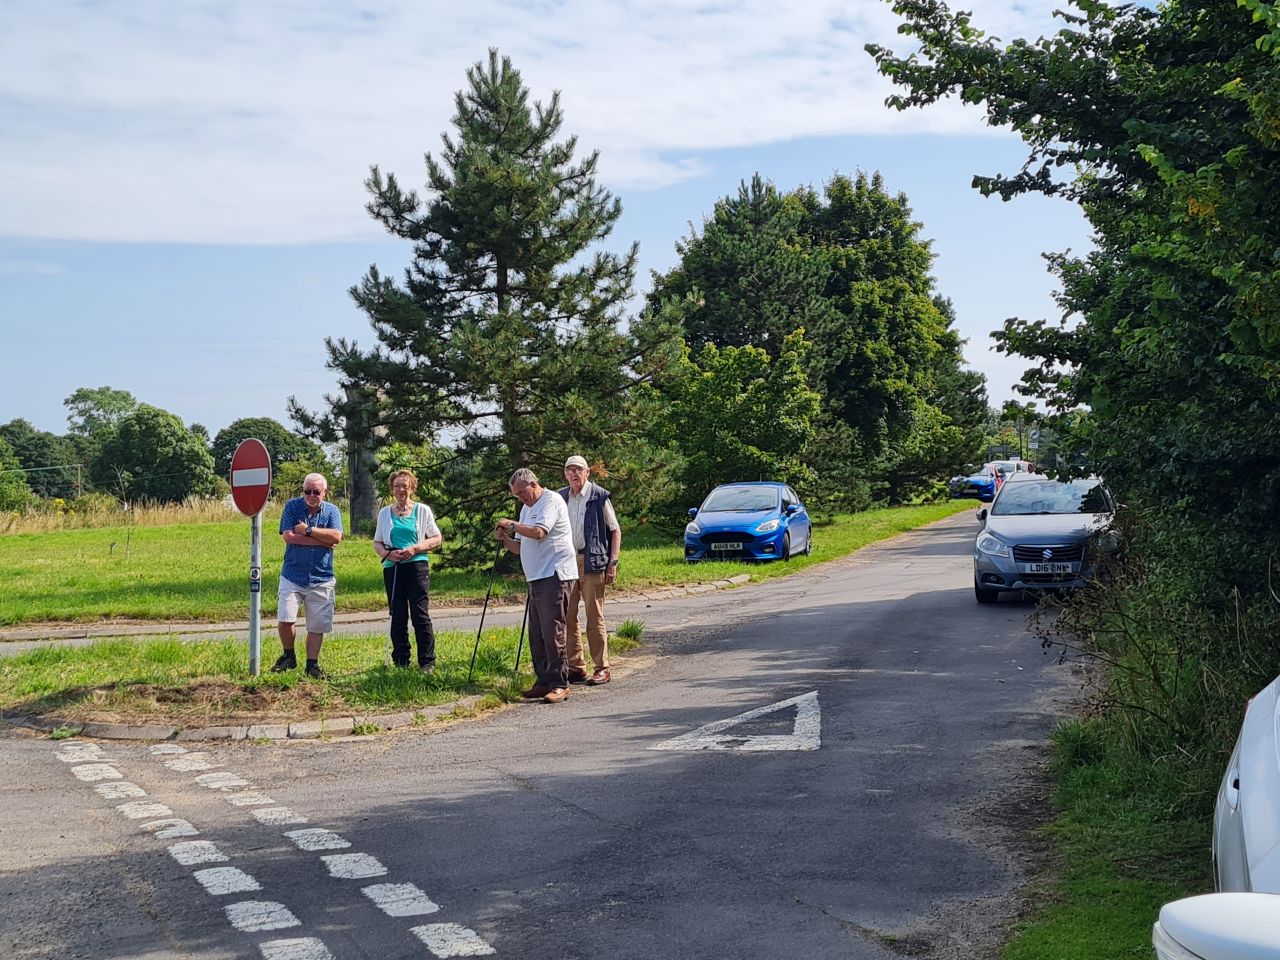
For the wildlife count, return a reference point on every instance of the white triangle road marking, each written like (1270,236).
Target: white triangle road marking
(806,734)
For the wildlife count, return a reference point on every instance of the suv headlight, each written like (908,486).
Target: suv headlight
(692,528)
(993,546)
(768,526)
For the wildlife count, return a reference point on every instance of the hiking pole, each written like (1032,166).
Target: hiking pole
(395,595)
(483,610)
(520,645)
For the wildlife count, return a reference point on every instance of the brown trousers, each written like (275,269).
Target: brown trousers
(548,606)
(588,590)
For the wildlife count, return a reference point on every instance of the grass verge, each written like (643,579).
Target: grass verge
(207,682)
(198,572)
(1125,846)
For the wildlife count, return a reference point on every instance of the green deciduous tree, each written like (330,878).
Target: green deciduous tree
(504,337)
(282,444)
(849,265)
(1162,124)
(749,278)
(150,453)
(93,410)
(38,451)
(734,413)
(14,492)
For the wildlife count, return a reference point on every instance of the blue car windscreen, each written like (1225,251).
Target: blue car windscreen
(741,499)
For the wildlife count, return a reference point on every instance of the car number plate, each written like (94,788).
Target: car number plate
(726,546)
(1047,567)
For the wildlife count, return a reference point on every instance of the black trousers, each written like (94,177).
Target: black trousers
(408,586)
(548,611)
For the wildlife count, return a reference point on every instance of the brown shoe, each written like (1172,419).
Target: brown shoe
(556,695)
(536,692)
(577,676)
(599,677)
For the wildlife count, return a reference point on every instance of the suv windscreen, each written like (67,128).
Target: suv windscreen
(1030,497)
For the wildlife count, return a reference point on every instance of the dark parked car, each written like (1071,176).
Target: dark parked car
(748,521)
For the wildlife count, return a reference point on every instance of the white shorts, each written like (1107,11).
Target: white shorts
(317,599)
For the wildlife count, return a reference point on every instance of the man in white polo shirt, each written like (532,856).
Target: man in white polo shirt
(543,540)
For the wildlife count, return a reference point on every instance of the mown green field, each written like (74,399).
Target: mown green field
(199,571)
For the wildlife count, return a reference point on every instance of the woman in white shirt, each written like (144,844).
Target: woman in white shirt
(406,532)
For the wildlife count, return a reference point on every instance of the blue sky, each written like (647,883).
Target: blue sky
(181,184)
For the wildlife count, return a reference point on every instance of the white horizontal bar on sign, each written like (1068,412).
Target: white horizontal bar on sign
(256,477)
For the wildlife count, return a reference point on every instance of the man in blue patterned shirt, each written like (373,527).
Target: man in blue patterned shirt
(310,528)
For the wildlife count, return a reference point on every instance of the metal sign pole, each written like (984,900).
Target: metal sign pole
(255,594)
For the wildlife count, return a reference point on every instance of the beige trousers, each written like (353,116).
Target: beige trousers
(588,590)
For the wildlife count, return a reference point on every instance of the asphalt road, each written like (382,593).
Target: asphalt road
(871,818)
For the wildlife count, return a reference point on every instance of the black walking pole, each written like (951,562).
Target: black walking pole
(520,645)
(483,610)
(391,607)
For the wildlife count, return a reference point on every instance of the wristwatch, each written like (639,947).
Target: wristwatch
(310,527)
(613,563)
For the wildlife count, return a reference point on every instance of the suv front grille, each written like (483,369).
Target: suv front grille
(1056,553)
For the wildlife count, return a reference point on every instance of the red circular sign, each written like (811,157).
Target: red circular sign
(250,476)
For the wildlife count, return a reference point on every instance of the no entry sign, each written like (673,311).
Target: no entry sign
(250,476)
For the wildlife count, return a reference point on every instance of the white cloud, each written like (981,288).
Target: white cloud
(250,122)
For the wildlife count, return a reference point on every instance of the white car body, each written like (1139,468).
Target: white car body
(1219,926)
(1246,816)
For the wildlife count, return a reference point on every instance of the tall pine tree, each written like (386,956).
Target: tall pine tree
(505,338)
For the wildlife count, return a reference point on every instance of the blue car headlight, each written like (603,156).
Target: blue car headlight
(769,526)
(993,546)
(692,528)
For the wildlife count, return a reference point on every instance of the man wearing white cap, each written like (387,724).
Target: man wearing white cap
(598,540)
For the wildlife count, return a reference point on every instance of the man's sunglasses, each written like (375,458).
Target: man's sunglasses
(312,491)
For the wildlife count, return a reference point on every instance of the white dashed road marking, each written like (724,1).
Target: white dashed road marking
(190,763)
(317,838)
(400,899)
(191,852)
(255,916)
(221,781)
(79,752)
(249,798)
(443,940)
(170,828)
(278,816)
(452,940)
(119,790)
(141,809)
(302,948)
(353,866)
(223,880)
(90,772)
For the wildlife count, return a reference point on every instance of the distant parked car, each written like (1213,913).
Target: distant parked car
(748,521)
(1246,817)
(985,482)
(1041,535)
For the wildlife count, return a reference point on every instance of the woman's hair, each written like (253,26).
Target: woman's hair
(408,475)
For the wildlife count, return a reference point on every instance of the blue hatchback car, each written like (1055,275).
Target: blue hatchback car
(748,521)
